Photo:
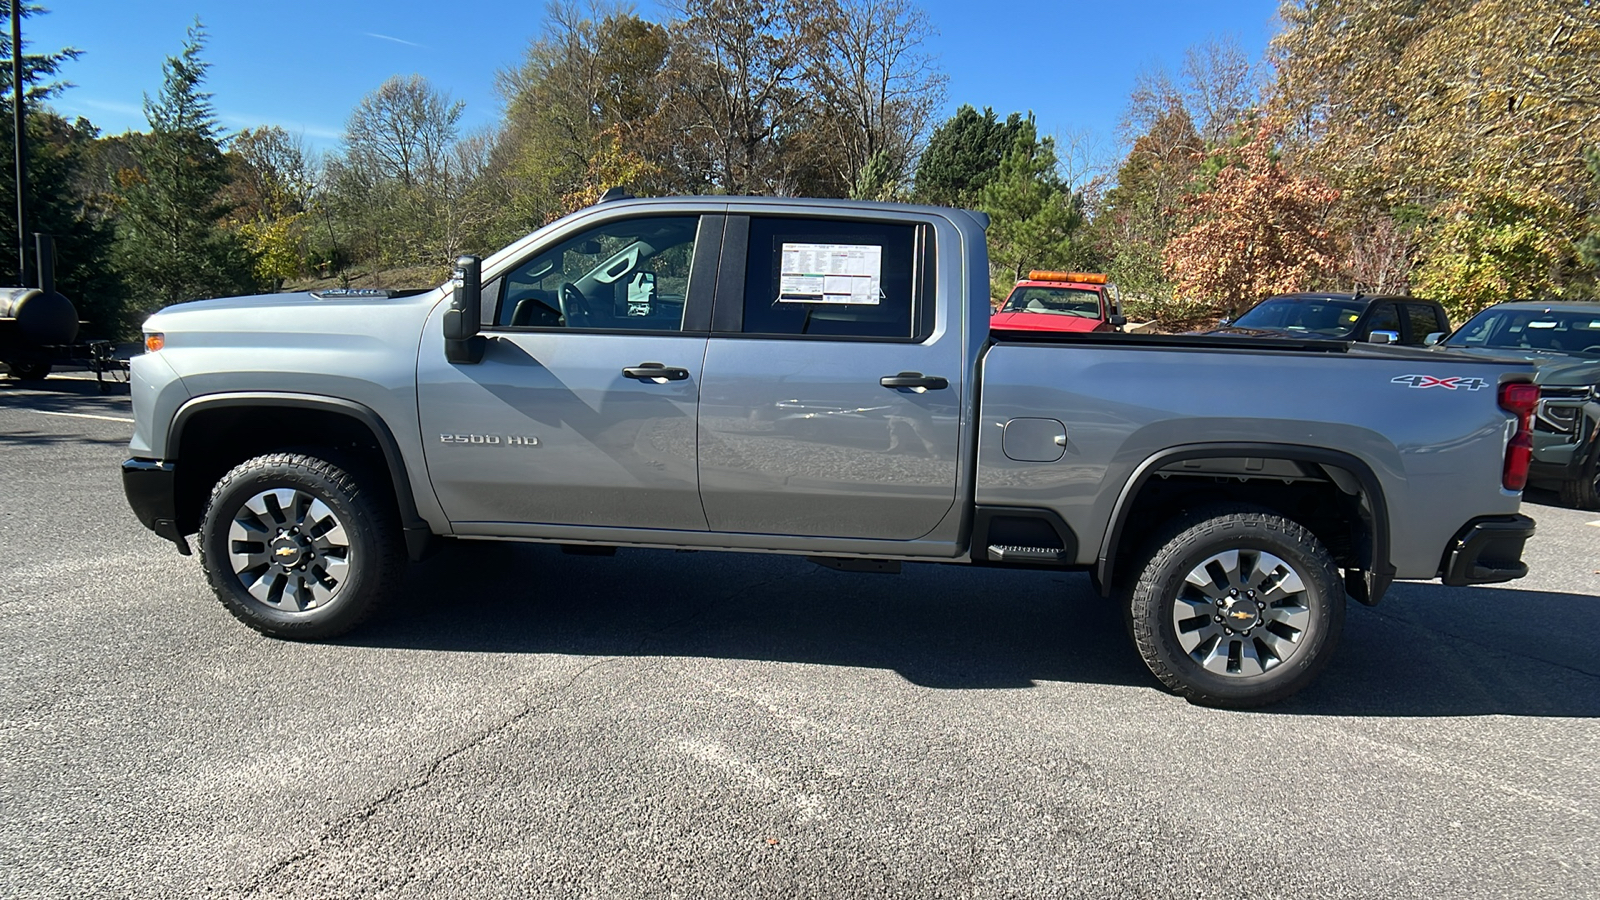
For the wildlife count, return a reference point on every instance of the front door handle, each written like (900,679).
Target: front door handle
(660,373)
(915,380)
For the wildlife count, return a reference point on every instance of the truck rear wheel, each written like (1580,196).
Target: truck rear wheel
(1239,607)
(296,547)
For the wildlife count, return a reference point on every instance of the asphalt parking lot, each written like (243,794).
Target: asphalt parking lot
(525,723)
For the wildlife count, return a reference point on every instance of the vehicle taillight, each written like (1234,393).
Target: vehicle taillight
(1519,399)
(154,341)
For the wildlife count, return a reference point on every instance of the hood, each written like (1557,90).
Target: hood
(343,296)
(1025,321)
(1548,367)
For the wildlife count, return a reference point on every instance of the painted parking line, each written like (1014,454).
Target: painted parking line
(44,412)
(1595,523)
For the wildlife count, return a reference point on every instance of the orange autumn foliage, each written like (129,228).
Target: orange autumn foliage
(1259,230)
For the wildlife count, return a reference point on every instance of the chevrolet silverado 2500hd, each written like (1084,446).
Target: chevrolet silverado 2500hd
(820,378)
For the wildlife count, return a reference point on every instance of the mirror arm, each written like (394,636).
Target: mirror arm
(463,345)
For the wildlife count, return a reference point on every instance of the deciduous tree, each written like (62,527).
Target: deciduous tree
(592,86)
(272,193)
(740,69)
(1259,230)
(1446,113)
(396,182)
(878,83)
(1143,211)
(1489,246)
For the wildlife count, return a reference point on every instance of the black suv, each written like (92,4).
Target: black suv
(1343,317)
(1562,340)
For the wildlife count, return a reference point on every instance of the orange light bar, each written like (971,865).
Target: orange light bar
(154,341)
(1079,277)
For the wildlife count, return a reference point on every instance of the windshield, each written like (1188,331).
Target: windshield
(1571,332)
(1304,315)
(1061,301)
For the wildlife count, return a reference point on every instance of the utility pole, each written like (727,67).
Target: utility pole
(21,142)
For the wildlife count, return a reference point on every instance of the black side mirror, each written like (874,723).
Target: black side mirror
(462,343)
(1118,320)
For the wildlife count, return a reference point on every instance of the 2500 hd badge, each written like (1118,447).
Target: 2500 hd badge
(510,440)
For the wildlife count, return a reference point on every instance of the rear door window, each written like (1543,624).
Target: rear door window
(1384,318)
(824,278)
(1424,320)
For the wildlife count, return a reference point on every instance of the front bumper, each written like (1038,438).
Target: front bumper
(1562,456)
(151,486)
(1487,550)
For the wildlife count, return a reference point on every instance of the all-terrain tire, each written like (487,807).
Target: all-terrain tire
(1237,607)
(296,547)
(1583,492)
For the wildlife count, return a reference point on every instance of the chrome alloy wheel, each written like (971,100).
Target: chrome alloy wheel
(289,550)
(1241,613)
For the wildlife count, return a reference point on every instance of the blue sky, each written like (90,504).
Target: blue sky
(305,65)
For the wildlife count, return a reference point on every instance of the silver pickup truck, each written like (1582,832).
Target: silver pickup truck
(819,378)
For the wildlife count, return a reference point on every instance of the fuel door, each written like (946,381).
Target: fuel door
(1034,440)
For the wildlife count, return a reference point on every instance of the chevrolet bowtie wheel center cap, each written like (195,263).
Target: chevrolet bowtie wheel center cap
(288,552)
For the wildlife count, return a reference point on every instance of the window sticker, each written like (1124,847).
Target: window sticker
(845,274)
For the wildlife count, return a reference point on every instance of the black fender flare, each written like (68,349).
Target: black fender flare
(418,534)
(1377,580)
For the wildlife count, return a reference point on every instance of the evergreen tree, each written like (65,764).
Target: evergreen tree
(56,150)
(878,180)
(1032,218)
(963,155)
(171,244)
(38,69)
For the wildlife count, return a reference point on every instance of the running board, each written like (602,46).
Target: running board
(1010,553)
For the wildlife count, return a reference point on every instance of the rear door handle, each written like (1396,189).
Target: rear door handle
(657,372)
(915,380)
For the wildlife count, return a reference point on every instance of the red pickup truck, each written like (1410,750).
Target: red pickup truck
(1060,301)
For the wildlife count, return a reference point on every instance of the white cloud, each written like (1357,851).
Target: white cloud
(111,106)
(317,135)
(385,37)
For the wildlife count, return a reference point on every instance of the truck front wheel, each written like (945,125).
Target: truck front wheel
(1238,608)
(1583,492)
(296,547)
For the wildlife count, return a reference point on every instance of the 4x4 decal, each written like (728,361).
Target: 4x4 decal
(1450,383)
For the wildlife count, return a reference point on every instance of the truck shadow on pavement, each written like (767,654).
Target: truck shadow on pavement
(937,626)
(1428,650)
(84,386)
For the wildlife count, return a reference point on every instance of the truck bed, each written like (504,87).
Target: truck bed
(1124,402)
